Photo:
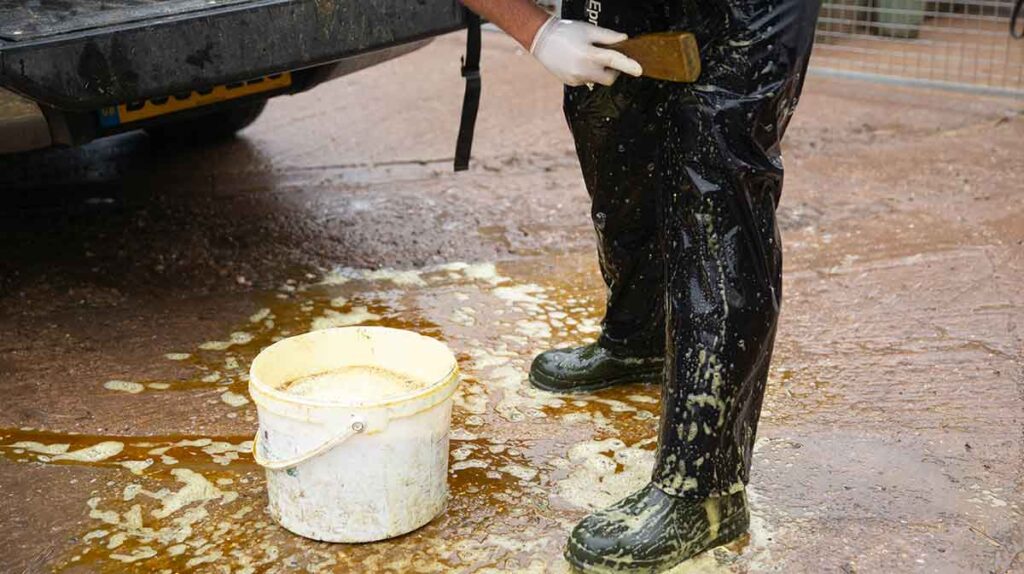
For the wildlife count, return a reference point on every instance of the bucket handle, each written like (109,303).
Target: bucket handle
(357,426)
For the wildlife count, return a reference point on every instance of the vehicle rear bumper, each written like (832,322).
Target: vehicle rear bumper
(91,69)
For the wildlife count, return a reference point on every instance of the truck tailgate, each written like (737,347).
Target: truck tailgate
(124,50)
(31,19)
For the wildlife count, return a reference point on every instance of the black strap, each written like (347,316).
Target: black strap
(471,101)
(1018,34)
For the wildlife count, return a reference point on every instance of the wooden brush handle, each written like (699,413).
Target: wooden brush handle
(671,56)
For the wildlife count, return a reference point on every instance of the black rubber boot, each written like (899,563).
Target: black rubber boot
(650,531)
(590,368)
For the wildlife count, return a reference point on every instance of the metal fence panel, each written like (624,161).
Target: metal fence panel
(958,44)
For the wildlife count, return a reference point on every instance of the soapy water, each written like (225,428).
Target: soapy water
(153,455)
(525,464)
(353,384)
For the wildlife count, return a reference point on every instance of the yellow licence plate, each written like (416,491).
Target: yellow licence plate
(146,109)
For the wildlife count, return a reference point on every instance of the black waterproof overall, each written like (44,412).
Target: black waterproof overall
(685,180)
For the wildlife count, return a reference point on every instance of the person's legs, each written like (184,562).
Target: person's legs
(719,178)
(721,184)
(617,147)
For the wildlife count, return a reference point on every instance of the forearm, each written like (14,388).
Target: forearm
(518,18)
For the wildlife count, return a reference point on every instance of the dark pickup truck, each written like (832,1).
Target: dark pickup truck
(76,70)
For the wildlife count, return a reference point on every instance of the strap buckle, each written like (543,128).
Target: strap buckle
(470,72)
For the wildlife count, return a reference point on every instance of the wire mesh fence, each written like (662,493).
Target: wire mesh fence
(958,44)
(963,45)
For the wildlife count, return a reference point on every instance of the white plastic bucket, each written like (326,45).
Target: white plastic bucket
(350,471)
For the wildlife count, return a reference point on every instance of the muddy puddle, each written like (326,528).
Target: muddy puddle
(525,465)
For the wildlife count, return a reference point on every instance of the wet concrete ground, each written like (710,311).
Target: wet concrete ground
(138,282)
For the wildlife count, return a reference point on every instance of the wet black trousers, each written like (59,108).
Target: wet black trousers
(685,180)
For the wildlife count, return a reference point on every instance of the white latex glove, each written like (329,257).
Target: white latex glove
(569,50)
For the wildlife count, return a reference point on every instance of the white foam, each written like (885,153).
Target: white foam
(94,453)
(237,338)
(332,318)
(233,399)
(354,384)
(124,386)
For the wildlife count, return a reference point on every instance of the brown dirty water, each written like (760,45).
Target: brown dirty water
(525,464)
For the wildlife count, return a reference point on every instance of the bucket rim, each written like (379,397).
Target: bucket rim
(441,384)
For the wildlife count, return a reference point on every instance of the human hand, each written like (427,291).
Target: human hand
(569,50)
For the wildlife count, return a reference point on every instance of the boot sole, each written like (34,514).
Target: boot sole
(729,530)
(553,385)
